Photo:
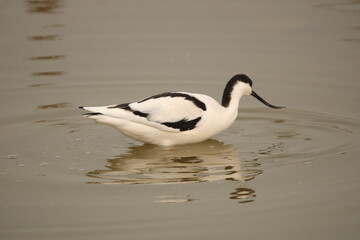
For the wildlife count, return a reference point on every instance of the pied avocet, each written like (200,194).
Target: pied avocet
(173,118)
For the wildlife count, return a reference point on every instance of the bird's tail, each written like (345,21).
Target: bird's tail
(90,114)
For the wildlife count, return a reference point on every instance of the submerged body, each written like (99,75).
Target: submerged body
(176,117)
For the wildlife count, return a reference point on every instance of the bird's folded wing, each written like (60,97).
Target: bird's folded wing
(167,109)
(176,113)
(166,113)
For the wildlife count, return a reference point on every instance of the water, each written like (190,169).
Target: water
(275,174)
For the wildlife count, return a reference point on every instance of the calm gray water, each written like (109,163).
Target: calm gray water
(275,174)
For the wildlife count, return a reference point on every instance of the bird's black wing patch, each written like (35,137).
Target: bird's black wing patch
(122,106)
(126,107)
(183,125)
(188,97)
(92,114)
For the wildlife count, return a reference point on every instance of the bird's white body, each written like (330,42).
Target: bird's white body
(173,118)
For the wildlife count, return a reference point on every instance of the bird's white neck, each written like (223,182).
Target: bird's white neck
(231,99)
(233,92)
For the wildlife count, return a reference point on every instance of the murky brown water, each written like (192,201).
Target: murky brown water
(275,174)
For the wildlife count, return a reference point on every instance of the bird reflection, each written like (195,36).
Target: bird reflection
(243,195)
(202,162)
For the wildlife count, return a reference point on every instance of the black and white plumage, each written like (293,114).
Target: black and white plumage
(176,117)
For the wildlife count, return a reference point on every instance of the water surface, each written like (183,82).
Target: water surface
(275,174)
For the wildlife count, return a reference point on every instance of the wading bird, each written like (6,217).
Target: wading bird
(174,118)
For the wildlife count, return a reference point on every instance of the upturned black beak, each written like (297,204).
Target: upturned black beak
(254,94)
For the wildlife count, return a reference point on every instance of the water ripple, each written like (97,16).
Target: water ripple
(260,139)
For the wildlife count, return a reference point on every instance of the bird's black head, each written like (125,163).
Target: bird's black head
(231,85)
(242,78)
